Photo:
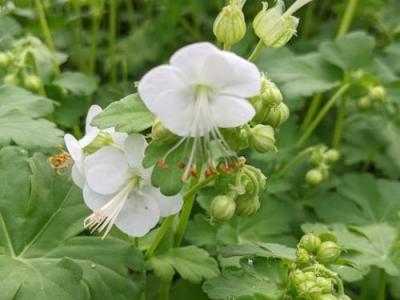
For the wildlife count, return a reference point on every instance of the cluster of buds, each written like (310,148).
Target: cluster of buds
(242,196)
(311,279)
(20,63)
(376,95)
(322,158)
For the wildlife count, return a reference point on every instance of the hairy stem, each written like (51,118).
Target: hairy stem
(382,285)
(257,50)
(312,109)
(347,17)
(337,135)
(165,225)
(282,171)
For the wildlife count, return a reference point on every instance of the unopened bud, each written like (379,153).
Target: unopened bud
(326,297)
(302,256)
(4,60)
(310,242)
(364,102)
(230,26)
(297,277)
(246,206)
(310,276)
(377,93)
(309,288)
(328,252)
(11,79)
(101,140)
(331,155)
(273,27)
(222,207)
(32,82)
(159,132)
(314,176)
(324,284)
(262,138)
(344,297)
(278,115)
(269,97)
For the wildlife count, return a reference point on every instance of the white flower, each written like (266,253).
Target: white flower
(76,148)
(201,90)
(118,189)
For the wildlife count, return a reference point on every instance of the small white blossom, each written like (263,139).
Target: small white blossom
(201,90)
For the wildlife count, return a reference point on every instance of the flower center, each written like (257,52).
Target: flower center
(104,218)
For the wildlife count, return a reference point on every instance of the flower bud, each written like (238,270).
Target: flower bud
(101,140)
(32,82)
(324,284)
(230,26)
(11,79)
(297,277)
(302,256)
(331,155)
(222,207)
(4,60)
(262,138)
(377,93)
(310,242)
(278,115)
(309,288)
(269,97)
(327,297)
(328,252)
(344,297)
(314,176)
(273,27)
(253,179)
(159,132)
(310,276)
(364,102)
(246,206)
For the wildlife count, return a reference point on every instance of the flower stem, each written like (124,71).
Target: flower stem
(165,225)
(111,39)
(96,20)
(312,109)
(131,13)
(164,289)
(337,135)
(282,171)
(257,50)
(310,129)
(227,47)
(347,17)
(382,285)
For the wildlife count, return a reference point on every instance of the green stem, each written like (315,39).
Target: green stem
(382,285)
(78,36)
(308,20)
(131,13)
(322,113)
(227,47)
(164,289)
(257,50)
(165,225)
(96,20)
(337,135)
(294,161)
(112,37)
(347,17)
(312,109)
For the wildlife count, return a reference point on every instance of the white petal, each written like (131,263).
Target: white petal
(118,138)
(167,205)
(138,216)
(180,124)
(90,131)
(134,147)
(106,170)
(232,75)
(190,59)
(77,176)
(74,148)
(230,111)
(159,80)
(94,110)
(94,200)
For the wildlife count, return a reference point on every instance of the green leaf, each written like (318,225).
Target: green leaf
(260,249)
(192,263)
(41,212)
(365,246)
(76,83)
(127,115)
(258,279)
(350,52)
(361,200)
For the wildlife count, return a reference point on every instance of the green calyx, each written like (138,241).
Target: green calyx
(262,138)
(223,207)
(102,139)
(328,252)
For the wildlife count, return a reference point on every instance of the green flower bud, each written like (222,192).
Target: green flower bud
(344,297)
(310,242)
(377,93)
(278,115)
(297,277)
(269,97)
(230,26)
(11,79)
(309,288)
(328,252)
(364,102)
(314,176)
(4,60)
(253,179)
(160,133)
(246,206)
(324,284)
(273,27)
(102,139)
(302,256)
(327,297)
(262,138)
(222,207)
(331,155)
(310,276)
(32,82)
